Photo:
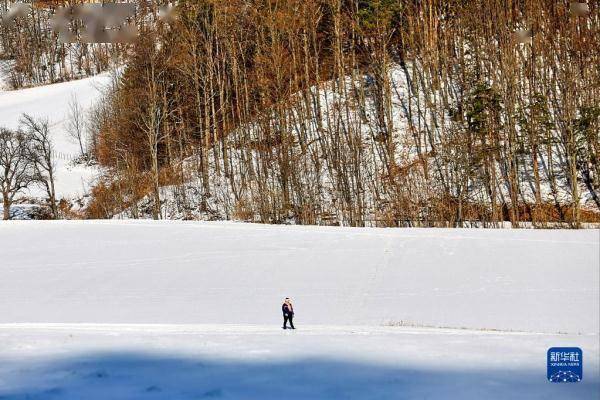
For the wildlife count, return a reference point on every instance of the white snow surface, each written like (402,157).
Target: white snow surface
(191,310)
(225,272)
(52,102)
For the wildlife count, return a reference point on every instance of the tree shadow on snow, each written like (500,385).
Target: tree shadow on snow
(115,376)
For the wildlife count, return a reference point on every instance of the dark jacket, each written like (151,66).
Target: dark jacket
(287,310)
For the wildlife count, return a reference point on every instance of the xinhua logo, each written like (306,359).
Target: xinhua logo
(565,364)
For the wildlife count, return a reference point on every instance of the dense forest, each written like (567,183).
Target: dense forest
(36,52)
(353,112)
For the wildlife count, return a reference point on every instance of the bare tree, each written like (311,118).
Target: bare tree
(76,123)
(41,153)
(16,167)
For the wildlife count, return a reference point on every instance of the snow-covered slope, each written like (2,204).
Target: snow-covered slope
(306,121)
(228,273)
(52,102)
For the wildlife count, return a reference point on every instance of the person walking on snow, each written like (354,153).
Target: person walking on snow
(288,313)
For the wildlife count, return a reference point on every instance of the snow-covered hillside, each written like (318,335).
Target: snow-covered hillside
(52,102)
(233,192)
(126,310)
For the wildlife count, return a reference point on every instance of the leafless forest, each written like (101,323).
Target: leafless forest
(351,112)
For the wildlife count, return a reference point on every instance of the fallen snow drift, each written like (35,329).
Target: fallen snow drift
(230,273)
(52,102)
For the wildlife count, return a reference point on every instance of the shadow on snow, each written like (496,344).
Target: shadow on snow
(115,376)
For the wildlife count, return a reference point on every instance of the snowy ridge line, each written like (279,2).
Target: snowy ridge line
(236,329)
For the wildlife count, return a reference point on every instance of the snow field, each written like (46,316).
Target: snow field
(128,310)
(232,273)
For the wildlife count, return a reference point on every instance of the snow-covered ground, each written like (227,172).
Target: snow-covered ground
(178,310)
(100,362)
(222,272)
(52,102)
